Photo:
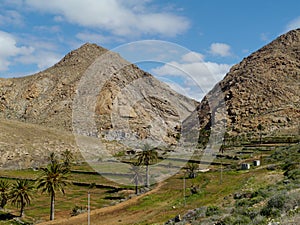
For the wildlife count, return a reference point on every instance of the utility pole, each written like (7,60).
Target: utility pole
(221,177)
(184,187)
(222,151)
(89,208)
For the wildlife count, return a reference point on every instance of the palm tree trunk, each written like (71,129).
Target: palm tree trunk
(52,206)
(22,210)
(136,186)
(147,176)
(260,137)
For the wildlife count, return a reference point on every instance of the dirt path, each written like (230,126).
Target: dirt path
(116,214)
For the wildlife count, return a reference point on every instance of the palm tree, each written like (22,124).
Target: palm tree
(191,169)
(4,193)
(53,178)
(67,159)
(226,139)
(21,194)
(260,128)
(146,157)
(136,176)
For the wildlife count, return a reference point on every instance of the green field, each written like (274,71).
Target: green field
(215,197)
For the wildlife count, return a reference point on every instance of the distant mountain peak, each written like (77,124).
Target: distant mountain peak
(46,98)
(264,88)
(90,47)
(290,38)
(86,53)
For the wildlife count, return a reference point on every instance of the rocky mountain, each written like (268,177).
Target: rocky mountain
(121,102)
(150,109)
(263,88)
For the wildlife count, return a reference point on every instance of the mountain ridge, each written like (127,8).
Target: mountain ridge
(46,98)
(262,89)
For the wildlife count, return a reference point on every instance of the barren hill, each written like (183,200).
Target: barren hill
(24,145)
(264,88)
(46,98)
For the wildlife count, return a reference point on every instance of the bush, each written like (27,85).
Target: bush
(195,189)
(236,220)
(262,192)
(212,210)
(275,205)
(243,202)
(292,202)
(256,200)
(77,210)
(252,213)
(259,219)
(277,201)
(293,174)
(270,212)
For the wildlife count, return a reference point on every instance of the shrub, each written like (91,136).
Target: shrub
(261,193)
(293,174)
(194,189)
(77,210)
(270,212)
(259,219)
(212,210)
(275,205)
(256,200)
(243,202)
(236,220)
(277,201)
(252,213)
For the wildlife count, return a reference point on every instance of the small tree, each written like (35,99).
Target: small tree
(4,193)
(68,157)
(260,128)
(191,169)
(146,157)
(226,139)
(137,176)
(21,194)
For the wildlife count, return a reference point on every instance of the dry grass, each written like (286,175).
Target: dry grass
(167,201)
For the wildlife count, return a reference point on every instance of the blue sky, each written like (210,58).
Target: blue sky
(35,34)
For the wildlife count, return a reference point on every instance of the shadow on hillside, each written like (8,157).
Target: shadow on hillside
(6,216)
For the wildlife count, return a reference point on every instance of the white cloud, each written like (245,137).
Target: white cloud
(96,38)
(11,17)
(9,49)
(220,49)
(264,37)
(49,29)
(294,24)
(11,53)
(116,16)
(43,59)
(196,78)
(192,57)
(13,3)
(184,90)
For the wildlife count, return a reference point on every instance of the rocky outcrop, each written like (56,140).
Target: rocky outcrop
(47,98)
(263,89)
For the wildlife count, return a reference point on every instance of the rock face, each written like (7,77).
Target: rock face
(262,89)
(46,98)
